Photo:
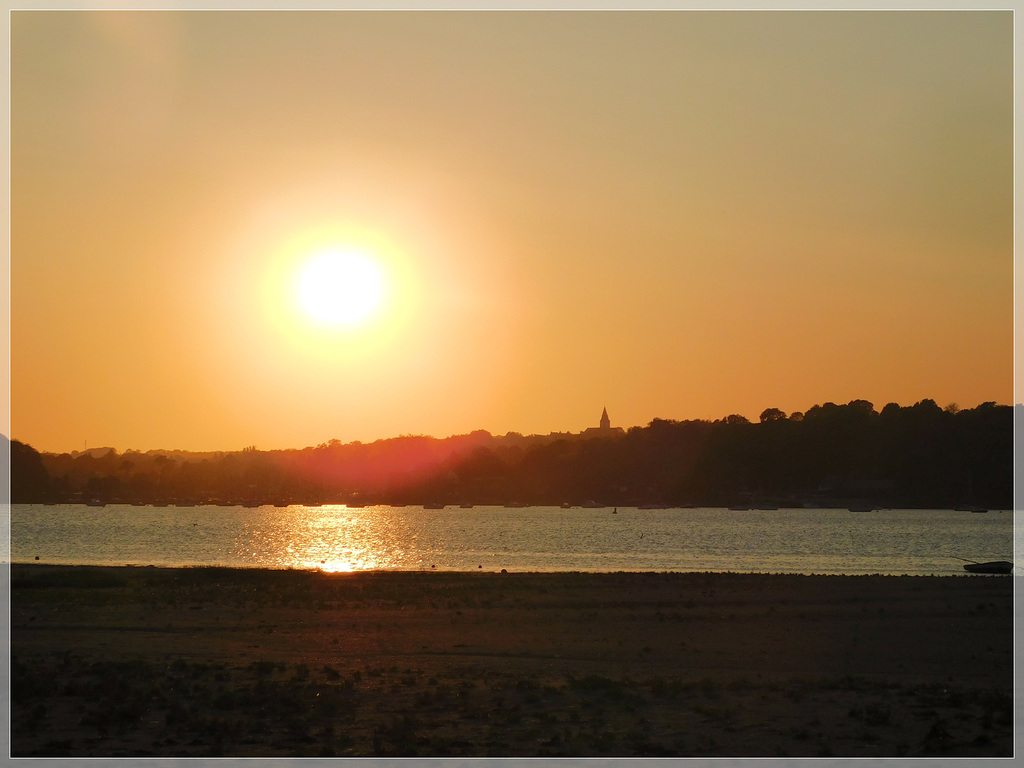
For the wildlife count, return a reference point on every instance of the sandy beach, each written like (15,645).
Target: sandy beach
(138,661)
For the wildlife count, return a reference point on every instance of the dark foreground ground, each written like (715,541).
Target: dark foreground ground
(210,661)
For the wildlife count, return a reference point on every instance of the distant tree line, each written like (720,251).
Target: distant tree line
(831,455)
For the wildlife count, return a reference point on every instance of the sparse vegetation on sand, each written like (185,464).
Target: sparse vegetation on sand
(214,661)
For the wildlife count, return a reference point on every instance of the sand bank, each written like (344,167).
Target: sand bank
(209,661)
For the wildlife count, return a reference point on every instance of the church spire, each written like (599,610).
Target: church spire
(606,423)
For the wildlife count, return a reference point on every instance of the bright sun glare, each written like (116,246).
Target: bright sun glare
(339,287)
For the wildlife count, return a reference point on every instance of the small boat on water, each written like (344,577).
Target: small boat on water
(995,566)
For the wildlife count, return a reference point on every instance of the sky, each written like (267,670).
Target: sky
(678,215)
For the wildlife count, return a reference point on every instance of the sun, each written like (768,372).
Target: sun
(339,287)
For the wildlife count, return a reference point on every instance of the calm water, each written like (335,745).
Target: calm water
(530,539)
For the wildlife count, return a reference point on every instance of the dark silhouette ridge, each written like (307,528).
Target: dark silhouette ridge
(30,482)
(832,455)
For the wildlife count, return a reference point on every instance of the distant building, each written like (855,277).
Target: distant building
(605,429)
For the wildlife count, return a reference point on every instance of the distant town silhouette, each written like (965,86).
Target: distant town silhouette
(920,456)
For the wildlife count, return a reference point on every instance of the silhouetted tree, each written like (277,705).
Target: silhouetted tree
(735,418)
(30,482)
(772,414)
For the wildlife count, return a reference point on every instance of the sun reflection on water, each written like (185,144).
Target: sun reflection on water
(333,539)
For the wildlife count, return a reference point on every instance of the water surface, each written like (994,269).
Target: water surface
(339,538)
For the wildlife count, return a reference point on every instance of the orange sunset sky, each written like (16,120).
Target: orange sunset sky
(672,214)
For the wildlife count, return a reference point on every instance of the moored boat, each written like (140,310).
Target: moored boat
(995,566)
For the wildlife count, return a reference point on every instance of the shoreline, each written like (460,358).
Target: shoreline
(462,663)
